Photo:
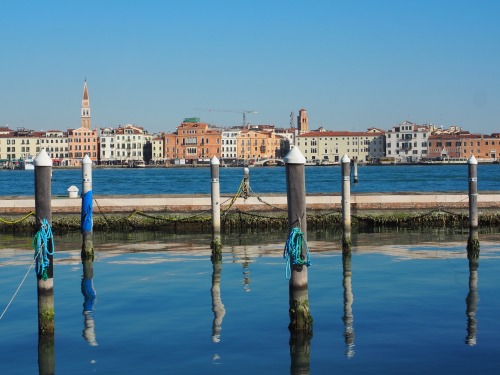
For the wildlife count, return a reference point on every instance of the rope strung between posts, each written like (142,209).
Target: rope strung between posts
(16,221)
(293,251)
(17,290)
(41,242)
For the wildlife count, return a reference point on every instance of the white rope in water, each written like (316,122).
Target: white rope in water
(19,287)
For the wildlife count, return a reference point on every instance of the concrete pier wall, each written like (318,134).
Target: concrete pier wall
(267,203)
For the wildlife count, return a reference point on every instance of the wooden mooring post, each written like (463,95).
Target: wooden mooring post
(301,322)
(87,223)
(215,200)
(473,240)
(43,211)
(346,203)
(44,260)
(246,182)
(300,317)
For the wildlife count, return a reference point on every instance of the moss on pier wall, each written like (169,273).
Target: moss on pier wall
(238,221)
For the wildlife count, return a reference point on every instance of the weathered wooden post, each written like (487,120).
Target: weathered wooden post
(355,171)
(473,240)
(44,250)
(300,317)
(348,318)
(87,223)
(301,322)
(214,169)
(246,182)
(346,203)
(44,255)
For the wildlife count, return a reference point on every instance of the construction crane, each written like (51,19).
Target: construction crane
(243,112)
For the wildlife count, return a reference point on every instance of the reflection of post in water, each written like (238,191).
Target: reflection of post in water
(348,300)
(217,306)
(246,271)
(88,302)
(473,295)
(46,355)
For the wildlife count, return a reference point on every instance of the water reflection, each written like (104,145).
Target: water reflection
(473,295)
(217,305)
(46,355)
(348,317)
(300,348)
(89,296)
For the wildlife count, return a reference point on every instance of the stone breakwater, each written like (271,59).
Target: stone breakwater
(189,204)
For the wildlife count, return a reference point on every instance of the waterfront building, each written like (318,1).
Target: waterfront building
(56,144)
(229,144)
(157,148)
(486,148)
(258,143)
(407,142)
(19,144)
(122,145)
(325,147)
(193,141)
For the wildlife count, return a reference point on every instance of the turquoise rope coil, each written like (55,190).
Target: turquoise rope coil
(293,251)
(41,246)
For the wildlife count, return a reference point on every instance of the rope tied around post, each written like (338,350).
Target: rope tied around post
(40,244)
(293,251)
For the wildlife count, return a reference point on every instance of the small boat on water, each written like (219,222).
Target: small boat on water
(138,164)
(28,164)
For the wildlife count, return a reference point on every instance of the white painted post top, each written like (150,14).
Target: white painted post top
(214,161)
(294,156)
(246,171)
(472,160)
(86,159)
(345,159)
(43,159)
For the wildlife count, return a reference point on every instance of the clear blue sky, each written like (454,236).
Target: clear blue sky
(352,64)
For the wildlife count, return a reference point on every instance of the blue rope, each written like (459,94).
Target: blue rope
(40,244)
(293,251)
(86,217)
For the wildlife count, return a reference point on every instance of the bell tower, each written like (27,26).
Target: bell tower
(85,107)
(303,122)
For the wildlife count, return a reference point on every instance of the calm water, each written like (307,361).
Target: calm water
(262,180)
(408,294)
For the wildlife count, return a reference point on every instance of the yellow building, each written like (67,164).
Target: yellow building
(330,146)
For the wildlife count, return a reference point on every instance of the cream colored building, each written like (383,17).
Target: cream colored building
(329,146)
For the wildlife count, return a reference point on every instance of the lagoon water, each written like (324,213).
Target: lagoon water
(397,178)
(411,304)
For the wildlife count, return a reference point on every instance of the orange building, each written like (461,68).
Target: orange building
(463,145)
(193,140)
(255,144)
